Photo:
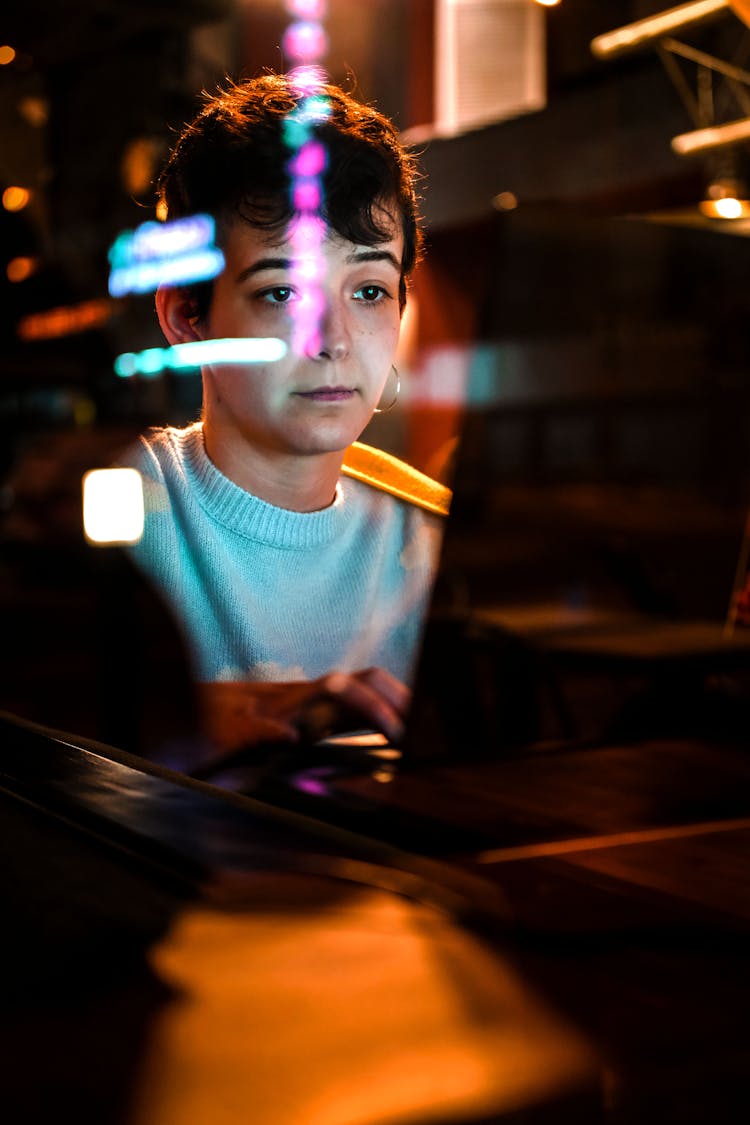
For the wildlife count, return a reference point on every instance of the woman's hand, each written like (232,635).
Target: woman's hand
(239,714)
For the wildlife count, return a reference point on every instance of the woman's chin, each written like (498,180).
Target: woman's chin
(328,436)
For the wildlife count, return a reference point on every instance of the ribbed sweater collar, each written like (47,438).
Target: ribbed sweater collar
(241,512)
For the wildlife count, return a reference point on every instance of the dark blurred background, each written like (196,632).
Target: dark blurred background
(571,278)
(505,102)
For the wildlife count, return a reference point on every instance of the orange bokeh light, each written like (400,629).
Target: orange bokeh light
(7,54)
(16,198)
(18,269)
(65,321)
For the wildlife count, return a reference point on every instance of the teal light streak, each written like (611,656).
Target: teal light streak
(153,361)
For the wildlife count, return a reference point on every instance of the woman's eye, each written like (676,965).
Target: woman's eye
(278,295)
(370,293)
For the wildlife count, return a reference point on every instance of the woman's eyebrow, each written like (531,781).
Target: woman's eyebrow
(286,264)
(374,256)
(265,264)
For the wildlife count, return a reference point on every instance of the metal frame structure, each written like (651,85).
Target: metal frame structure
(658,32)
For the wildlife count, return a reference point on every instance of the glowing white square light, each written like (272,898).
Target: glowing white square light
(113,506)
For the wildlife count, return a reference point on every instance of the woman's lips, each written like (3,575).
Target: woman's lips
(327,394)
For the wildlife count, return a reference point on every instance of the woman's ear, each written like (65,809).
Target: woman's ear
(177,314)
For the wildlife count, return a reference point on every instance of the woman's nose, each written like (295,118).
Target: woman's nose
(333,339)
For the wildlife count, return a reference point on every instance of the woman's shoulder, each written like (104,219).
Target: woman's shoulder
(389,474)
(163,449)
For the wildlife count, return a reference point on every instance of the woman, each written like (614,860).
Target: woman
(298,563)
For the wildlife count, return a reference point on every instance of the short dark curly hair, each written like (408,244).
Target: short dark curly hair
(231,161)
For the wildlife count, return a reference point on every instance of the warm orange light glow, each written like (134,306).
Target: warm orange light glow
(729,208)
(138,165)
(35,111)
(725,208)
(18,269)
(65,321)
(162,211)
(646,31)
(16,198)
(113,506)
(383,776)
(741,8)
(388,1009)
(716,136)
(548,3)
(7,54)
(505,201)
(726,198)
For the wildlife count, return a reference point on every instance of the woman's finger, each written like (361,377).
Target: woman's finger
(381,681)
(359,695)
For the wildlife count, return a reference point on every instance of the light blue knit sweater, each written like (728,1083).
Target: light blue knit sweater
(263,593)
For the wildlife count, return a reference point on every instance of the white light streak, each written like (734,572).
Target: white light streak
(240,350)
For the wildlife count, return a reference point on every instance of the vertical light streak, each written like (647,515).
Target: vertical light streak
(305,43)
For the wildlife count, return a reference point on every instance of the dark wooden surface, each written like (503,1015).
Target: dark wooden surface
(625,873)
(609,884)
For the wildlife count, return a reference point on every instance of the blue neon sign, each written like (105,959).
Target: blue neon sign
(155,254)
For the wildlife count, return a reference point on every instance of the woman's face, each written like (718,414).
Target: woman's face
(304,403)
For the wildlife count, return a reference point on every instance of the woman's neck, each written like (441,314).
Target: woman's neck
(297,482)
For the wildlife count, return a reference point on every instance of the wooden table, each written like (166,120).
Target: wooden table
(554,937)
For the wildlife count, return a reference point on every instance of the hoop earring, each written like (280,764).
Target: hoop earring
(394,400)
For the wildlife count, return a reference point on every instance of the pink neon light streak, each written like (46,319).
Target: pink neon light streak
(305,42)
(307,9)
(307,80)
(309,161)
(307,195)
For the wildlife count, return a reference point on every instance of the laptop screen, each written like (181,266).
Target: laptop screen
(601,481)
